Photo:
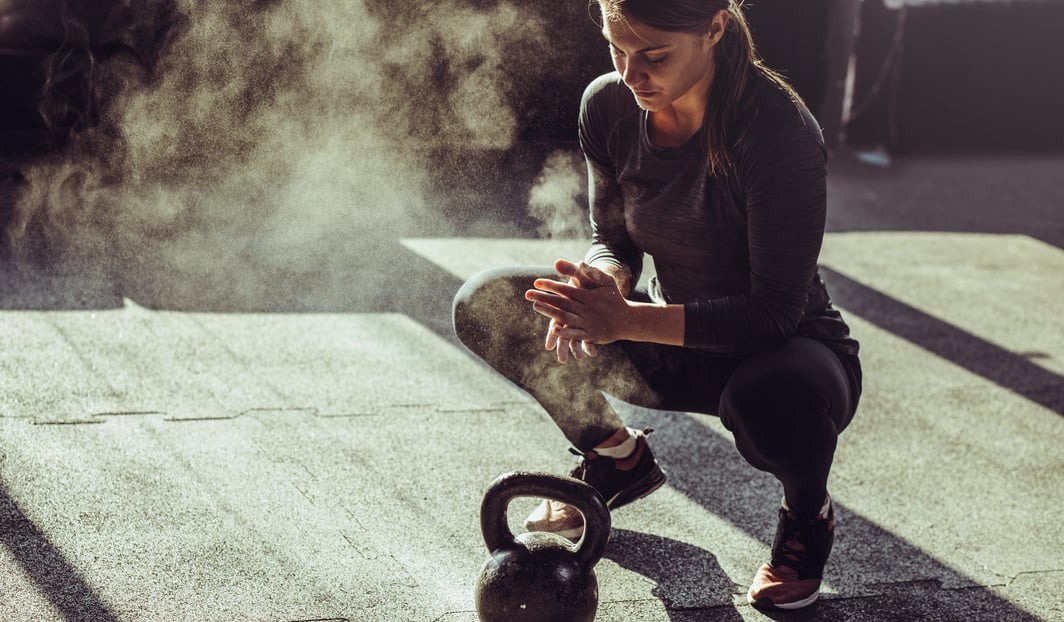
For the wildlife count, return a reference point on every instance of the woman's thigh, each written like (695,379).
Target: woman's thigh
(493,319)
(797,382)
(771,379)
(684,379)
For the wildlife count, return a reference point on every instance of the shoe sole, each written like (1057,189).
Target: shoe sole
(764,603)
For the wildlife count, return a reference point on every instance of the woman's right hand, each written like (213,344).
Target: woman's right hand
(587,277)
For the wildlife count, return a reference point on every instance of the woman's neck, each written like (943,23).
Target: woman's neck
(672,128)
(674,125)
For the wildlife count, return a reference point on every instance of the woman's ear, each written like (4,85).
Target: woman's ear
(717,26)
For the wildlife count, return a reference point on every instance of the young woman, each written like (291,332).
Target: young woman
(710,163)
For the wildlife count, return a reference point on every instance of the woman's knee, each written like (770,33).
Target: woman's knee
(783,404)
(490,303)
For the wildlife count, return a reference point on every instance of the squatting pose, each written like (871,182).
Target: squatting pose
(710,163)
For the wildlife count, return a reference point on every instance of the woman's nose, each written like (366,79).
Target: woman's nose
(632,75)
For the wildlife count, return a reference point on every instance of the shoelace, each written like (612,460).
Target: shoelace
(795,545)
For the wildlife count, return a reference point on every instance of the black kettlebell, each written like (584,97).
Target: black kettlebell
(537,576)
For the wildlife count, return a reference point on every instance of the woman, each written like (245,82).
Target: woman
(710,163)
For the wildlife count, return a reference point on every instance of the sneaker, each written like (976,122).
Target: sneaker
(799,551)
(619,481)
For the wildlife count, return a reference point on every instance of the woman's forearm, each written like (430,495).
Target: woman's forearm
(655,323)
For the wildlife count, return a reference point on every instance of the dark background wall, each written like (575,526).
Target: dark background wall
(968,76)
(791,37)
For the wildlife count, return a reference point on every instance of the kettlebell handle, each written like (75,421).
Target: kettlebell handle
(496,529)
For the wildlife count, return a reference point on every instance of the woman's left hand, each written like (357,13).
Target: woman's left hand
(595,315)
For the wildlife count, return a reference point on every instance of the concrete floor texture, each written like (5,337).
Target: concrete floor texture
(183,464)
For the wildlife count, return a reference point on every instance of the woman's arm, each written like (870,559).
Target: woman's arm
(604,103)
(612,249)
(784,183)
(600,313)
(587,310)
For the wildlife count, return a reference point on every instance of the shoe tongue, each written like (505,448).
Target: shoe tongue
(619,452)
(824,509)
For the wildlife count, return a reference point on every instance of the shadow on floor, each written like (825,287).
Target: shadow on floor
(681,572)
(53,575)
(706,468)
(1007,369)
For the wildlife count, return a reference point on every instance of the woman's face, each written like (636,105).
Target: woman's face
(659,66)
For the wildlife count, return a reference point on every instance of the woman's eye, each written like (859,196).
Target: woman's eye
(651,60)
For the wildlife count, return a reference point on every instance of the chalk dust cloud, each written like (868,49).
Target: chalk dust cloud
(239,147)
(559,197)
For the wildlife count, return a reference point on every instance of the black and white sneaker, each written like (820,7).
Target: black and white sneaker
(800,550)
(620,481)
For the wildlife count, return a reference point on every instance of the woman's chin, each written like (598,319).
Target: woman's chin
(651,102)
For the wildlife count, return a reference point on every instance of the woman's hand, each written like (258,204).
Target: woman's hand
(565,347)
(587,310)
(580,275)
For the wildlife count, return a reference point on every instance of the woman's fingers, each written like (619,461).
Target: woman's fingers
(558,308)
(592,275)
(560,289)
(560,316)
(555,341)
(552,336)
(577,350)
(563,350)
(573,334)
(585,274)
(565,267)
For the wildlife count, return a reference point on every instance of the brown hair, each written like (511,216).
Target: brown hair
(736,59)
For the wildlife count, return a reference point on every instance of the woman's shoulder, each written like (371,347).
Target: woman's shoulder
(775,111)
(776,131)
(607,94)
(607,110)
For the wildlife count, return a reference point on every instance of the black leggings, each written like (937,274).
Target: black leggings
(785,404)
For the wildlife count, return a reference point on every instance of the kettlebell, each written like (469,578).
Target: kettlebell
(538,576)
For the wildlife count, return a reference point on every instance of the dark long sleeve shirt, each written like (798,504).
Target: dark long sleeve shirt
(739,251)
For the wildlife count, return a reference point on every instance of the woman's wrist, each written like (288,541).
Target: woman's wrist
(654,323)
